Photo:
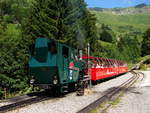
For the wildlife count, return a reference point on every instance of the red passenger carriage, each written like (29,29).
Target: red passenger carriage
(100,68)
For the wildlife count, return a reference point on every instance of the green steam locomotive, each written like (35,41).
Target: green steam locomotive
(54,65)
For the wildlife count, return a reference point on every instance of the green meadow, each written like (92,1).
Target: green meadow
(122,23)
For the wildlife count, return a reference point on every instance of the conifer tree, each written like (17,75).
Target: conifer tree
(91,31)
(129,48)
(43,20)
(106,33)
(55,19)
(75,12)
(146,43)
(67,21)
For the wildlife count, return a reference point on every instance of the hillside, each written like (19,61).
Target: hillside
(141,8)
(126,22)
(135,18)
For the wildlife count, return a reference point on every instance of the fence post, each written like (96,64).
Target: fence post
(5,92)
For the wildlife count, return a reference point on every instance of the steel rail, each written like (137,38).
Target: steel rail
(30,100)
(137,75)
(109,95)
(41,97)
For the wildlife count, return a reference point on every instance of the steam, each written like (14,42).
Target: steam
(80,38)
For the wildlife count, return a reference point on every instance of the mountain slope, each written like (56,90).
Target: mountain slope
(124,19)
(141,8)
(133,21)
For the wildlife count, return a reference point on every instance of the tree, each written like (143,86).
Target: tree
(74,31)
(43,20)
(129,48)
(90,33)
(106,33)
(12,73)
(13,11)
(67,21)
(106,36)
(146,43)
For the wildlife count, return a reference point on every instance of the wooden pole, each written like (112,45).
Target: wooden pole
(5,91)
(89,66)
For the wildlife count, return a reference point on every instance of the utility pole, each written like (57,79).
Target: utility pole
(89,66)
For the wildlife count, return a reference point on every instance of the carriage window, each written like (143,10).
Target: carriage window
(52,47)
(65,51)
(32,49)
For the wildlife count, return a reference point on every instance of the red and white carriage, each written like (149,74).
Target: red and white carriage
(100,68)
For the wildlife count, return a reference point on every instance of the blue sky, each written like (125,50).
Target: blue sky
(114,3)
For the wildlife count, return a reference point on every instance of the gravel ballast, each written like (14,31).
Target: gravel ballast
(71,103)
(136,99)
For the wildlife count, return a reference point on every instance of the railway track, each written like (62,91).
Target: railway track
(112,94)
(38,97)
(25,100)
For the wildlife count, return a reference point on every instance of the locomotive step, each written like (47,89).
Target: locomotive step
(65,87)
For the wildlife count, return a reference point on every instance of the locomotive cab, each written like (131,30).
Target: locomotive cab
(42,61)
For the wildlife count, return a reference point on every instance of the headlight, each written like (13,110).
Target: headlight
(32,81)
(55,80)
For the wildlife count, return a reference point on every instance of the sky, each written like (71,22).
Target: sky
(114,3)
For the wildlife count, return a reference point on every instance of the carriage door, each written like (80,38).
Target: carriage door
(65,54)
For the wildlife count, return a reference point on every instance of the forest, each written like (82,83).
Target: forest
(67,21)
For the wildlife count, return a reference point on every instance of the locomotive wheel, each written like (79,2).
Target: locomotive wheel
(56,91)
(72,87)
(48,92)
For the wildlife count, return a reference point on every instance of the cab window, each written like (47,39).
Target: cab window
(52,47)
(32,49)
(65,51)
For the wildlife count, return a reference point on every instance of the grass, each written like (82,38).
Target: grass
(101,106)
(144,58)
(104,44)
(94,111)
(116,102)
(138,21)
(145,67)
(12,33)
(130,65)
